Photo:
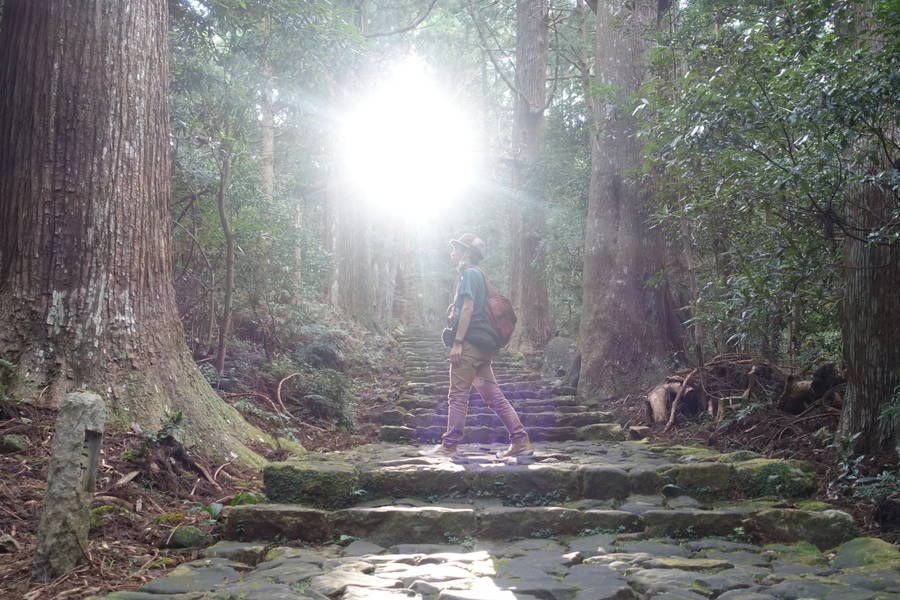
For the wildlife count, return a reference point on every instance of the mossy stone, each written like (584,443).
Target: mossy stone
(739,456)
(393,417)
(169,518)
(188,536)
(99,513)
(773,477)
(826,529)
(800,552)
(863,551)
(703,479)
(605,432)
(321,484)
(397,434)
(605,482)
(813,505)
(13,443)
(689,453)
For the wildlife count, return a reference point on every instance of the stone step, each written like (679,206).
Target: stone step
(493,435)
(510,390)
(534,405)
(439,404)
(435,524)
(571,470)
(529,419)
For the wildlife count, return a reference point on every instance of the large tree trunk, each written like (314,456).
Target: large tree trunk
(85,267)
(625,331)
(528,277)
(870,323)
(870,331)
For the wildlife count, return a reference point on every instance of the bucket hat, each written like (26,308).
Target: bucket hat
(471,242)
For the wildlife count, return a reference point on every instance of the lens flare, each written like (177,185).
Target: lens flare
(408,147)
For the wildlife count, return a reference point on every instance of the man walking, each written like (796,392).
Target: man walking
(473,344)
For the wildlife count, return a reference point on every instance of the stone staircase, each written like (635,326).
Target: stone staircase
(583,519)
(550,413)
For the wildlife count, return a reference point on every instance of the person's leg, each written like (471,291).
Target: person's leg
(486,384)
(461,376)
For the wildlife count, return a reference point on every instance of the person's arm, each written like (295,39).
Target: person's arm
(465,317)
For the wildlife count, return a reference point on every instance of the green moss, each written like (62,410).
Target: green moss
(813,505)
(98,514)
(863,551)
(162,562)
(701,479)
(739,456)
(800,552)
(169,518)
(771,477)
(321,484)
(692,451)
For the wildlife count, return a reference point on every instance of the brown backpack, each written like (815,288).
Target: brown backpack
(499,311)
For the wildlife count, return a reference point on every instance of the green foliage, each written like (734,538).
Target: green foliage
(532,499)
(761,119)
(877,488)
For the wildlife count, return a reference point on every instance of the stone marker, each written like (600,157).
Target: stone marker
(63,531)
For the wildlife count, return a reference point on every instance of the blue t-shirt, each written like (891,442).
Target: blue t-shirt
(480,333)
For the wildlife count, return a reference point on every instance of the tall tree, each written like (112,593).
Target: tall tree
(870,324)
(85,265)
(528,265)
(625,328)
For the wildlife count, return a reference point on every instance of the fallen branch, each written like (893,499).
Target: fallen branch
(265,397)
(677,401)
(219,470)
(205,472)
(278,393)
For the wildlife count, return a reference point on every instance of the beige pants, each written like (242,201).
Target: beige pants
(474,368)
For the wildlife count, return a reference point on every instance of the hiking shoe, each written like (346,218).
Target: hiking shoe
(519,447)
(439,451)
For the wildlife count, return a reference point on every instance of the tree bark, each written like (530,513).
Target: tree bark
(870,319)
(85,266)
(528,277)
(625,331)
(870,331)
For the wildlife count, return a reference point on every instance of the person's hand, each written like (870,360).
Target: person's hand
(455,354)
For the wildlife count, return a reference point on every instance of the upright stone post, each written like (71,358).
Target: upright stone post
(63,530)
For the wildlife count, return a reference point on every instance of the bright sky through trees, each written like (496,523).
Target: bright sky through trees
(408,146)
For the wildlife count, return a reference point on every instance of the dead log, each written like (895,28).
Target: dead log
(684,388)
(658,401)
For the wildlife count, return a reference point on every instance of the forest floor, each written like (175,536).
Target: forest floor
(139,506)
(868,487)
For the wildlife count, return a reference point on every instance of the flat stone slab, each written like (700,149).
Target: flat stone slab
(590,566)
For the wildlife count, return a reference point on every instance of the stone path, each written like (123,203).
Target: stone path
(581,520)
(549,412)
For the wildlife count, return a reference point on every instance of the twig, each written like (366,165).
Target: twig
(260,395)
(278,393)
(228,475)
(219,470)
(11,513)
(677,400)
(146,564)
(415,23)
(113,500)
(206,474)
